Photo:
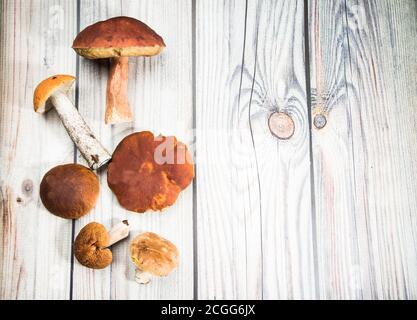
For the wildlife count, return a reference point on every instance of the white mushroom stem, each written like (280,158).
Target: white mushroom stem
(142,277)
(118,232)
(91,149)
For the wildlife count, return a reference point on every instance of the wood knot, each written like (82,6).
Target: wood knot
(281,125)
(320,121)
(27,187)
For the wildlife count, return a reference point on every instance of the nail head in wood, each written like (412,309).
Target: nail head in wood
(320,121)
(281,125)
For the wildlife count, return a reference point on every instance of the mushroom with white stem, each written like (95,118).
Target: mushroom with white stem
(153,256)
(91,247)
(52,92)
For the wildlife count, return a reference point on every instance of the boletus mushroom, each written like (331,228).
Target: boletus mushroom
(69,191)
(153,256)
(148,173)
(118,39)
(52,93)
(91,246)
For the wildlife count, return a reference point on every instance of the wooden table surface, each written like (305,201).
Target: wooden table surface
(329,214)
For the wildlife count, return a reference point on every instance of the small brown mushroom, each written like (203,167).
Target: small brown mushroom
(52,92)
(118,38)
(153,256)
(92,243)
(139,176)
(69,191)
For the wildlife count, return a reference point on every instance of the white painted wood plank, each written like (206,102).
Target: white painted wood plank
(160,93)
(253,191)
(363,58)
(284,166)
(35,245)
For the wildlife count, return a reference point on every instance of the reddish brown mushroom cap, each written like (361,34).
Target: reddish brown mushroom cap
(118,37)
(148,173)
(69,191)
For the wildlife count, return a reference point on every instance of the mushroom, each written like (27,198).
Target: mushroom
(91,246)
(52,92)
(69,191)
(141,180)
(118,38)
(153,256)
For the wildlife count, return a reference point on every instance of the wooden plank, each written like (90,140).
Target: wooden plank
(160,91)
(35,246)
(253,191)
(363,79)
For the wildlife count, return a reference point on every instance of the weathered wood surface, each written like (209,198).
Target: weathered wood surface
(328,214)
(35,246)
(363,62)
(253,191)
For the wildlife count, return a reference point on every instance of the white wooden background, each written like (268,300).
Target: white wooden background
(328,214)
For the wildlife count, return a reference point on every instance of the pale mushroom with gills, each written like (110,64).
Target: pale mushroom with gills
(69,191)
(153,256)
(52,93)
(118,39)
(91,246)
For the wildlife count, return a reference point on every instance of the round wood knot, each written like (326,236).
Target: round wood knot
(27,187)
(281,125)
(320,121)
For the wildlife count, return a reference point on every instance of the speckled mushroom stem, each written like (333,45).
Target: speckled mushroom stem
(91,149)
(118,108)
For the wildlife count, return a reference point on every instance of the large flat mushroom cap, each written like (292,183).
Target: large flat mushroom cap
(69,191)
(154,254)
(47,87)
(90,246)
(118,37)
(148,173)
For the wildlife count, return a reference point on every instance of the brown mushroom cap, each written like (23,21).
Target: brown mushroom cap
(139,182)
(154,254)
(47,87)
(118,37)
(69,191)
(90,246)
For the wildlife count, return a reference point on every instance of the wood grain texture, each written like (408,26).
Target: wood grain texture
(35,246)
(265,222)
(253,191)
(160,93)
(363,60)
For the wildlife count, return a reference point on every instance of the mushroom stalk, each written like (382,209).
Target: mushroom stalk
(91,149)
(118,108)
(118,232)
(142,277)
